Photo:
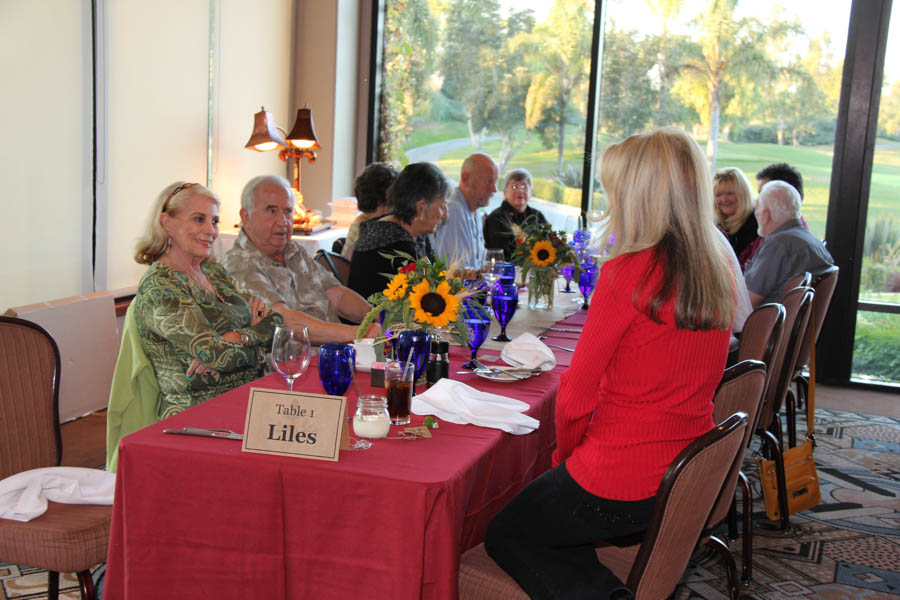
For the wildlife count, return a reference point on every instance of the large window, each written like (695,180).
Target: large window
(876,352)
(754,82)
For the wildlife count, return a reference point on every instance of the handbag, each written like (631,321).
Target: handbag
(801,479)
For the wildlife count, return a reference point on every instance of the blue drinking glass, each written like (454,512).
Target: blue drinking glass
(478,323)
(418,342)
(504,302)
(507,273)
(480,285)
(336,365)
(567,272)
(586,281)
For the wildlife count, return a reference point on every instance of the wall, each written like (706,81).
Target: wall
(325,78)
(46,157)
(154,64)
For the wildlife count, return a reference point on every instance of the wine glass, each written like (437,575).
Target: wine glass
(504,303)
(290,352)
(568,272)
(336,365)
(491,268)
(478,323)
(417,342)
(586,281)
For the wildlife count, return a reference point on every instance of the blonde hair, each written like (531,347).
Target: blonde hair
(659,190)
(744,193)
(155,240)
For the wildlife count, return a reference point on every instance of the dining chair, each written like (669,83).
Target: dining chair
(823,284)
(337,246)
(801,280)
(797,305)
(335,263)
(761,336)
(652,568)
(741,390)
(68,538)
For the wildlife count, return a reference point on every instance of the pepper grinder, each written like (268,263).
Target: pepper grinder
(439,362)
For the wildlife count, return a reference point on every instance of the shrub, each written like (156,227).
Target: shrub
(757,134)
(875,346)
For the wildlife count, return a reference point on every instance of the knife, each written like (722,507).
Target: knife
(562,348)
(226,434)
(564,330)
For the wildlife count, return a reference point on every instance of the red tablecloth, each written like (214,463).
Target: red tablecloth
(197,518)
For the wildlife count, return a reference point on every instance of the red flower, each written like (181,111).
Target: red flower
(409,268)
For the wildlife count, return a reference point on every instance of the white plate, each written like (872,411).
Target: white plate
(501,376)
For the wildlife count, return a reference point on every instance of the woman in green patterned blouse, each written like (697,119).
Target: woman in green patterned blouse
(200,334)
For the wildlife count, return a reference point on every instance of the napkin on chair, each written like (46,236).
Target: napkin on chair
(24,496)
(457,402)
(529,352)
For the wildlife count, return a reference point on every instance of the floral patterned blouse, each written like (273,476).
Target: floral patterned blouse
(179,321)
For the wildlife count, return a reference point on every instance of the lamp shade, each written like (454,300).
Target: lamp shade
(265,134)
(303,135)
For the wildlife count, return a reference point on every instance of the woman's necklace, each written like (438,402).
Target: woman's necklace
(199,278)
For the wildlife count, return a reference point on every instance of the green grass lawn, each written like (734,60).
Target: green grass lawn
(814,162)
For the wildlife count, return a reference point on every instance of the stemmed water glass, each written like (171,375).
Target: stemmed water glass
(586,281)
(478,323)
(504,302)
(492,268)
(290,352)
(568,271)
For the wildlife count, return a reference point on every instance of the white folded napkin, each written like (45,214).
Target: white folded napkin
(456,402)
(529,352)
(24,496)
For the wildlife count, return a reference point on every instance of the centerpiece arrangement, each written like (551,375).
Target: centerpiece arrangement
(542,252)
(420,296)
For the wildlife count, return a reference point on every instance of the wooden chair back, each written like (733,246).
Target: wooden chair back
(823,284)
(797,304)
(29,397)
(801,280)
(335,263)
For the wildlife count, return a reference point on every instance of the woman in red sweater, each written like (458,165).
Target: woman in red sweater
(642,379)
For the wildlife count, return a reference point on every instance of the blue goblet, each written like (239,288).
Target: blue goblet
(336,365)
(417,342)
(567,272)
(507,272)
(586,281)
(478,323)
(481,286)
(504,302)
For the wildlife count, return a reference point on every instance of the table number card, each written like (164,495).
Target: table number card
(296,424)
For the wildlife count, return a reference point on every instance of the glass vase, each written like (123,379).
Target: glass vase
(541,285)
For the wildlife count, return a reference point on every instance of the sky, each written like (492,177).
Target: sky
(817,16)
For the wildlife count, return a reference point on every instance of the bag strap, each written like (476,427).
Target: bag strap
(811,395)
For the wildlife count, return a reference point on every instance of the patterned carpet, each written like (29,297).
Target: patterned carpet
(847,547)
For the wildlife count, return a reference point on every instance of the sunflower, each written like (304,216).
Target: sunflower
(397,287)
(438,307)
(543,253)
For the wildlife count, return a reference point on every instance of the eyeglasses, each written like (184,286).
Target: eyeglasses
(172,194)
(519,186)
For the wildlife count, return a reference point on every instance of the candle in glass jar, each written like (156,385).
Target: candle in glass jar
(374,427)
(371,419)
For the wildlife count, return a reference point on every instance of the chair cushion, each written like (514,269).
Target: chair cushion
(68,538)
(480,578)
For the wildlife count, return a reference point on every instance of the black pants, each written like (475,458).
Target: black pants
(544,537)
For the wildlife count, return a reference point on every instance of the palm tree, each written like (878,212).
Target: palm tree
(560,53)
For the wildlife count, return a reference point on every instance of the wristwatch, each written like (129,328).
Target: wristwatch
(245,339)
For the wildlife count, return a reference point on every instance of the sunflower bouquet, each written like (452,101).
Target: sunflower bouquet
(420,296)
(541,252)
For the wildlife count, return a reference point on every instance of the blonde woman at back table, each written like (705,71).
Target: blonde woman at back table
(642,378)
(201,335)
(734,204)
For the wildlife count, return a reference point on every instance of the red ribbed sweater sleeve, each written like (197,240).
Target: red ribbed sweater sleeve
(637,392)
